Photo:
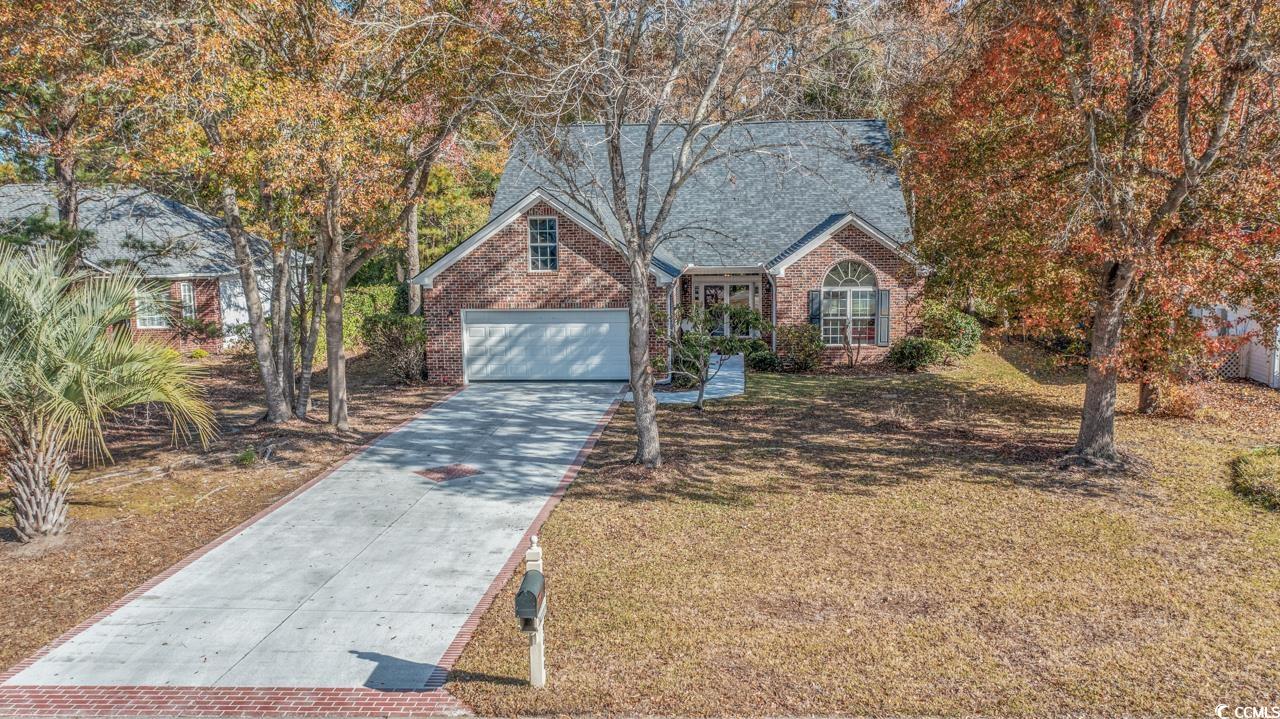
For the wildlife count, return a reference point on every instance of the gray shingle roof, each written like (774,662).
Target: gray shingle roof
(772,185)
(163,237)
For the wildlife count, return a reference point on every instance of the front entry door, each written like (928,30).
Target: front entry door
(734,295)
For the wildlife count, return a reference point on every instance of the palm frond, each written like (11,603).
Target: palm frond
(68,361)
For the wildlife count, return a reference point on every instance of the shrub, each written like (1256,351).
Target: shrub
(912,354)
(684,365)
(1177,400)
(238,335)
(1255,475)
(199,353)
(247,457)
(358,303)
(764,361)
(799,347)
(1067,349)
(699,340)
(193,328)
(401,340)
(959,330)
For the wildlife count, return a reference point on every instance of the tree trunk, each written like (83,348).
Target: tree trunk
(281,350)
(412,257)
(703,371)
(277,409)
(1096,441)
(310,328)
(67,196)
(648,447)
(64,173)
(335,355)
(288,358)
(40,478)
(1149,397)
(337,358)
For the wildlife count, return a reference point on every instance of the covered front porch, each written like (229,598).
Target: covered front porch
(737,287)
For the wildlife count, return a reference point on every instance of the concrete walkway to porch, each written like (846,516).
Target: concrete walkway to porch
(730,382)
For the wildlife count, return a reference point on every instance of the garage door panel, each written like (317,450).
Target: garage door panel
(546,344)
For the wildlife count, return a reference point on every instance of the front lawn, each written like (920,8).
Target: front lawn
(904,546)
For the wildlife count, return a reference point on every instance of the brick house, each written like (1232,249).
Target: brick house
(186,254)
(804,222)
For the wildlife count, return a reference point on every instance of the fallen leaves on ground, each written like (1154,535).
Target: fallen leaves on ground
(903,545)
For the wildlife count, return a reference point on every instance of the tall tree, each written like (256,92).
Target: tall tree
(339,115)
(65,77)
(224,126)
(687,73)
(274,118)
(438,63)
(1108,163)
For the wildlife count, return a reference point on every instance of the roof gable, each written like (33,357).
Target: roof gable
(664,273)
(827,229)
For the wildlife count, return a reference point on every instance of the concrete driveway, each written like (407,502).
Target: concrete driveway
(367,577)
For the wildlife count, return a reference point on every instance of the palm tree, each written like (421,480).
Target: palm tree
(67,364)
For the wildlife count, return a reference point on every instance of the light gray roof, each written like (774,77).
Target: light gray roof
(132,226)
(770,186)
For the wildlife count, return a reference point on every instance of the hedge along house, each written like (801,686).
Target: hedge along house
(803,221)
(178,247)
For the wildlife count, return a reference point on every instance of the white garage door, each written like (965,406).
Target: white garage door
(545,344)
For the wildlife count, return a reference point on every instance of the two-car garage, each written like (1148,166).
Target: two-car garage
(561,344)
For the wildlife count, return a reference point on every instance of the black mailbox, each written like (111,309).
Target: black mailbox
(529,600)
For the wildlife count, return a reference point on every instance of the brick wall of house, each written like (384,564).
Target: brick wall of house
(590,275)
(684,293)
(766,303)
(208,310)
(892,273)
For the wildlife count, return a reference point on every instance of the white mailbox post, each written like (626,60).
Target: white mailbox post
(531,612)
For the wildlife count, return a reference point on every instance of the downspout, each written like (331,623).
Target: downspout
(773,312)
(670,329)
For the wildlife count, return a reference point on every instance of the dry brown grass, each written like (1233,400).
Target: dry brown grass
(156,504)
(904,546)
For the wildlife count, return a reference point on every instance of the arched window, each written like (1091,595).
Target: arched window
(849,304)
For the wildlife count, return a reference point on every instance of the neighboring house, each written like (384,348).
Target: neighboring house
(803,221)
(1255,359)
(182,248)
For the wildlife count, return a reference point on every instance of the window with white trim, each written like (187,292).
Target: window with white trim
(150,310)
(543,244)
(849,304)
(187,295)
